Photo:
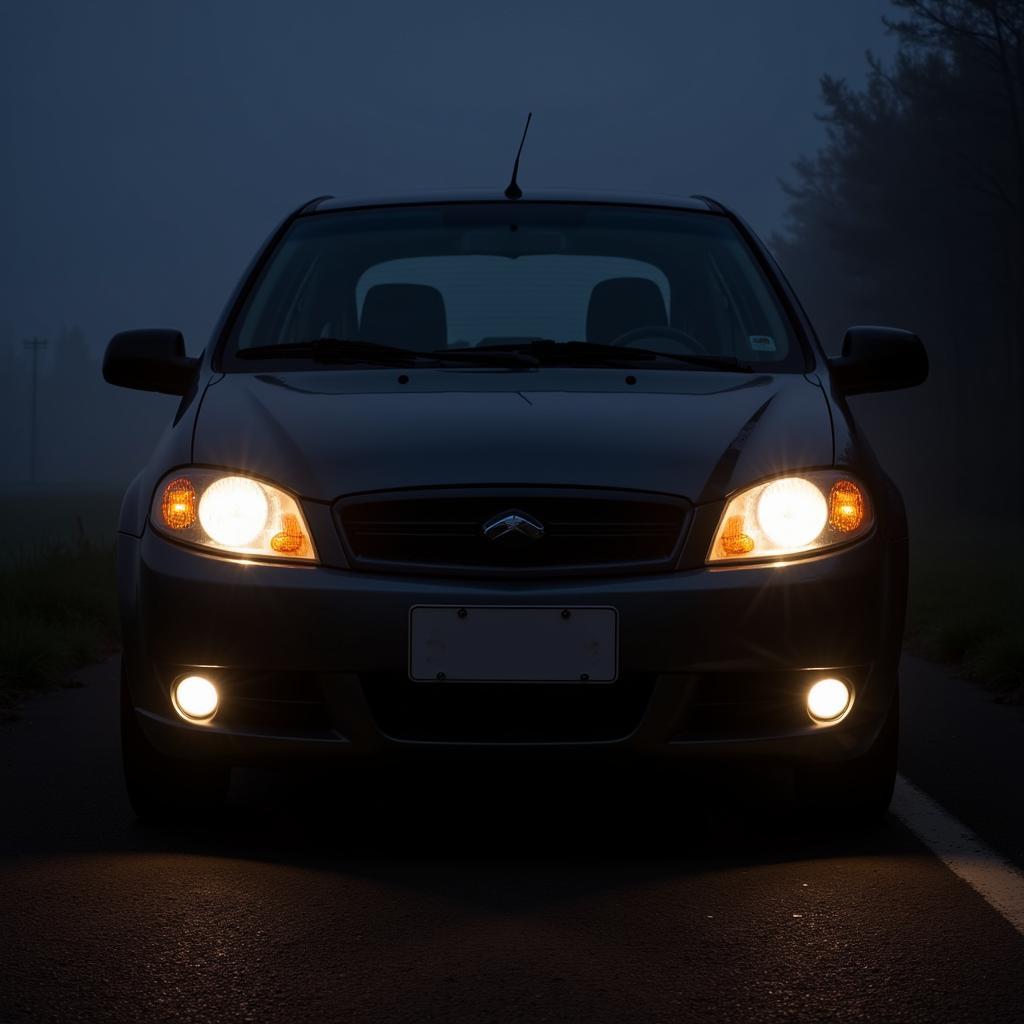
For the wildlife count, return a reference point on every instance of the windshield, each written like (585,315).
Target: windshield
(572,283)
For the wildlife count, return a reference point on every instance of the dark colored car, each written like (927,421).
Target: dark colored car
(476,475)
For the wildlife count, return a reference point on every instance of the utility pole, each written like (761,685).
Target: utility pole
(35,346)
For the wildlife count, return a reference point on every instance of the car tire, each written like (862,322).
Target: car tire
(163,789)
(855,792)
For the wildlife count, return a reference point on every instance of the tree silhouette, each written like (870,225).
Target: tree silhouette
(913,211)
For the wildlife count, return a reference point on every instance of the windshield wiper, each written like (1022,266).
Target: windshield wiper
(512,355)
(330,350)
(547,351)
(356,350)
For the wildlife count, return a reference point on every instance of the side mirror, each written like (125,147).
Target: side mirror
(150,360)
(879,359)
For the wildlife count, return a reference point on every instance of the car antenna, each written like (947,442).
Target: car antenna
(514,191)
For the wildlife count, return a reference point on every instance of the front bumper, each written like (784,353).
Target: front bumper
(713,662)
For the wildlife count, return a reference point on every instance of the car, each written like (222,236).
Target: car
(484,474)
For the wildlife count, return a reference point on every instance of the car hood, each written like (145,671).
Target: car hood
(696,434)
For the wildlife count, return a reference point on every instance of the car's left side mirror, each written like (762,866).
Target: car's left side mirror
(879,359)
(150,360)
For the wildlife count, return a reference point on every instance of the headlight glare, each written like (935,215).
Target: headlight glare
(792,515)
(233,511)
(231,514)
(791,512)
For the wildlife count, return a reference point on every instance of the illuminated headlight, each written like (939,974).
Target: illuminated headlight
(791,515)
(231,514)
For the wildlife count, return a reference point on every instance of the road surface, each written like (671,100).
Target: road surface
(464,898)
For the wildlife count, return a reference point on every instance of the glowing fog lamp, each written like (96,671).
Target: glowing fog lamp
(828,701)
(195,698)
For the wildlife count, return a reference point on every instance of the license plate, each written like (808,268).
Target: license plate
(500,644)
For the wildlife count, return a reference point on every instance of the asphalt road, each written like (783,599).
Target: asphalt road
(478,898)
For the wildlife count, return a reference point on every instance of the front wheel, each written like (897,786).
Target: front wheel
(162,788)
(856,792)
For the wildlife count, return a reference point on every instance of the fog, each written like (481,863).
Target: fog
(150,148)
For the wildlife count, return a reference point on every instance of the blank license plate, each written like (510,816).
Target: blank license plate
(499,644)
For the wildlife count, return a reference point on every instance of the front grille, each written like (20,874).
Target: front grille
(507,712)
(442,532)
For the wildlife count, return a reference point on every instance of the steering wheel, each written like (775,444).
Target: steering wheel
(662,333)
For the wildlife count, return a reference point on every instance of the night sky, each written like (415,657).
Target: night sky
(148,148)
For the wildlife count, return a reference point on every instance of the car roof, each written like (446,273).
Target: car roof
(326,203)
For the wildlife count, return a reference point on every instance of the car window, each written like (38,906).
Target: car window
(477,274)
(491,299)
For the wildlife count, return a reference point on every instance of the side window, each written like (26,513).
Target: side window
(304,297)
(277,310)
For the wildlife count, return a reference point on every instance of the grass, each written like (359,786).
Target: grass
(34,520)
(966,600)
(58,606)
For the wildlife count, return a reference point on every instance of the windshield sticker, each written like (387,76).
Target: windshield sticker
(762,343)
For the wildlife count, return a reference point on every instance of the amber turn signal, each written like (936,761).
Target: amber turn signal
(290,540)
(845,506)
(734,541)
(178,505)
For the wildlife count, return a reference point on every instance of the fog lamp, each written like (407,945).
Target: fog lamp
(195,698)
(828,701)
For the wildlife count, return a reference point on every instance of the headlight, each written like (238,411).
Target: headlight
(231,513)
(792,515)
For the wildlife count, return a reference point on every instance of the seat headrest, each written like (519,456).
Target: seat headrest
(622,304)
(407,315)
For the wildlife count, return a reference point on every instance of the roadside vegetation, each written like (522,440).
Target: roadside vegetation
(57,598)
(912,213)
(966,600)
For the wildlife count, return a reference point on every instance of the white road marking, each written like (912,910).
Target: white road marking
(998,882)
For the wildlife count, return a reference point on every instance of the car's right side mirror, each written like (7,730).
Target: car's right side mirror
(150,360)
(879,359)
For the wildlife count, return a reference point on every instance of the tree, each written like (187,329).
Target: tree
(913,211)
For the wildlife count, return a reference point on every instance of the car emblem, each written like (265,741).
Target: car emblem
(513,524)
